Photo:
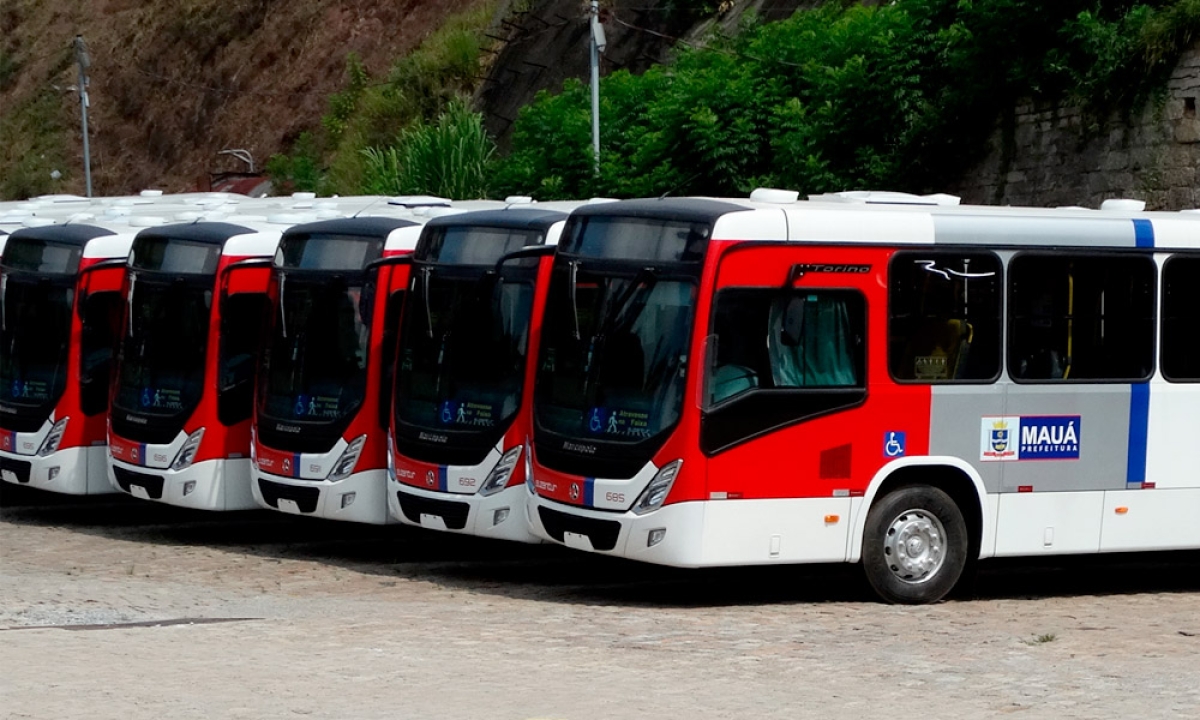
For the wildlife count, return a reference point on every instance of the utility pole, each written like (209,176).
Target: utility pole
(84,62)
(598,43)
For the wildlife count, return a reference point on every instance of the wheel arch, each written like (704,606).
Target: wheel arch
(950,474)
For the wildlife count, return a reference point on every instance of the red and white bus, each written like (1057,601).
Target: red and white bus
(320,419)
(908,385)
(182,395)
(60,300)
(460,408)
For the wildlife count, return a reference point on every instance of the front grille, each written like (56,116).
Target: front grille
(602,533)
(305,497)
(152,484)
(18,469)
(454,514)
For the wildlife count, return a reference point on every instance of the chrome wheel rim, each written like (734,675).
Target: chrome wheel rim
(914,546)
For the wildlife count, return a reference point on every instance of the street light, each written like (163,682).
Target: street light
(84,62)
(598,43)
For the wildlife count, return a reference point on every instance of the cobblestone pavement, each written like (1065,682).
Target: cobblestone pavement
(119,609)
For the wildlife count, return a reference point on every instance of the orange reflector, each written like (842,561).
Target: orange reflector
(831,519)
(1122,510)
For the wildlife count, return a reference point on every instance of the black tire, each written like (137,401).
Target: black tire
(926,521)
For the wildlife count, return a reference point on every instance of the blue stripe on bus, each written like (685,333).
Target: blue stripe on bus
(297,458)
(589,492)
(1143,233)
(443,476)
(1139,422)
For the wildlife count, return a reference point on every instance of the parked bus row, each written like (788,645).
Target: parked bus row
(892,380)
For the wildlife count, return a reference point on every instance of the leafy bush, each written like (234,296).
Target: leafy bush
(899,96)
(299,171)
(373,112)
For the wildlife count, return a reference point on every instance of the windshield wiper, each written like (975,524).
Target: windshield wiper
(282,306)
(572,286)
(425,273)
(129,300)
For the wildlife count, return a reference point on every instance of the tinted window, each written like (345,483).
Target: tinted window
(328,252)
(944,316)
(462,354)
(613,355)
(101,329)
(316,365)
(241,325)
(161,371)
(42,257)
(475,245)
(1181,319)
(175,256)
(636,239)
(1081,317)
(35,327)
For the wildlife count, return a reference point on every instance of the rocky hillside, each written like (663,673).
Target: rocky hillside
(173,83)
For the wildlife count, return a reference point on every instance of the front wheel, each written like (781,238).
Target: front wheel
(915,545)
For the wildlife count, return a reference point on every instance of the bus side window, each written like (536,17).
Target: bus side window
(944,316)
(1181,319)
(811,341)
(101,320)
(241,325)
(1080,317)
(780,357)
(740,350)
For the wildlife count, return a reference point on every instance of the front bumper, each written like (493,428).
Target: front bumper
(500,516)
(70,471)
(206,485)
(360,497)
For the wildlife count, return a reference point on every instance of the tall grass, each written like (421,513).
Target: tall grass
(449,157)
(418,88)
(33,143)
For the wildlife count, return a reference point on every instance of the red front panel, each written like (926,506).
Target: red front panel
(277,462)
(833,453)
(87,430)
(126,450)
(836,453)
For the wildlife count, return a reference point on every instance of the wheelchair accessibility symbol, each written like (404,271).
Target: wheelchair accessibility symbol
(893,444)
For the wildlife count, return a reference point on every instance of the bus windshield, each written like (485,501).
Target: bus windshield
(35,336)
(462,355)
(315,367)
(614,353)
(161,364)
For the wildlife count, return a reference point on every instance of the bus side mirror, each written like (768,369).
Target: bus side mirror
(791,331)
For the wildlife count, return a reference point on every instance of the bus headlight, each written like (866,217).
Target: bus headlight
(55,436)
(497,479)
(187,453)
(656,492)
(345,464)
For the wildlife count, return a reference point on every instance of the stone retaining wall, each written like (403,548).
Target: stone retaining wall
(1052,160)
